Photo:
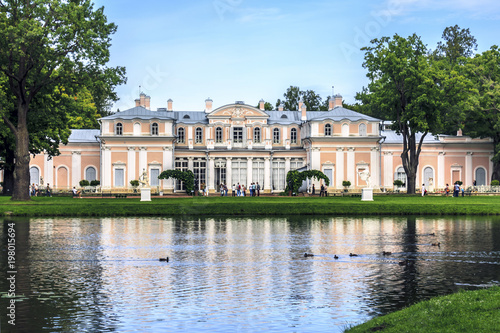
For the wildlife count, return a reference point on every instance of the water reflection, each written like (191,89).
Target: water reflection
(245,274)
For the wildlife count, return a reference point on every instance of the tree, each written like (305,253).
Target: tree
(185,176)
(295,178)
(46,45)
(457,43)
(293,95)
(484,120)
(402,85)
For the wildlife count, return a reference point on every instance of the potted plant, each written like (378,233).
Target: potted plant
(346,184)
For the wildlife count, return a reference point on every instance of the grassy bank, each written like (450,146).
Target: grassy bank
(171,206)
(466,311)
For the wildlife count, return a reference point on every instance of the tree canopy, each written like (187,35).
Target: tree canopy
(185,176)
(295,178)
(294,95)
(49,51)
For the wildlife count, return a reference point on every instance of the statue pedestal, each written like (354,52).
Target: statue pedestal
(145,194)
(367,194)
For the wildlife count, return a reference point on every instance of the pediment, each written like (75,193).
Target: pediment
(237,111)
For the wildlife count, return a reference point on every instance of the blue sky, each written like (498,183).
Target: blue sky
(246,50)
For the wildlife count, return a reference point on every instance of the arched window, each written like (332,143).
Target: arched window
(256,135)
(362,129)
(345,129)
(328,129)
(198,136)
(218,135)
(90,174)
(276,135)
(137,129)
(401,175)
(293,135)
(154,129)
(480,176)
(428,176)
(180,135)
(34,175)
(119,129)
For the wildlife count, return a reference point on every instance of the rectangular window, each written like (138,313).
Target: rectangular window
(296,164)
(239,172)
(182,165)
(238,134)
(119,177)
(329,174)
(279,175)
(258,172)
(199,170)
(276,135)
(154,181)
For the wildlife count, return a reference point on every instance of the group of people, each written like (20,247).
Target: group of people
(34,190)
(240,190)
(456,189)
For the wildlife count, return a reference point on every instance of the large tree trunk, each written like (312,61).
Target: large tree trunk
(495,174)
(22,156)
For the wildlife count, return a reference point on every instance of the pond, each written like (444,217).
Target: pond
(236,274)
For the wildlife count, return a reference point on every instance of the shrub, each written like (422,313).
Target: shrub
(495,182)
(398,182)
(459,182)
(346,183)
(95,183)
(134,183)
(84,182)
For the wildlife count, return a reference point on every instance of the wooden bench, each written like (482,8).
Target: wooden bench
(120,195)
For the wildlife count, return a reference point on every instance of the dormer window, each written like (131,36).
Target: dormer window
(154,129)
(119,129)
(328,129)
(186,116)
(284,116)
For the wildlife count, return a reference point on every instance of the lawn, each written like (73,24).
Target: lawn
(466,311)
(233,206)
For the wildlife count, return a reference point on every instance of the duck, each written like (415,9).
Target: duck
(335,257)
(385,253)
(432,234)
(353,255)
(308,255)
(164,259)
(436,244)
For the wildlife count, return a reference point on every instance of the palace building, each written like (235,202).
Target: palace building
(239,143)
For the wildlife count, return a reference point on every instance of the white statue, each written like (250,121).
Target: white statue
(365,175)
(143,179)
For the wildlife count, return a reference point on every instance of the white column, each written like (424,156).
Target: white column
(468,169)
(267,174)
(76,168)
(351,167)
(440,170)
(143,159)
(229,172)
(106,167)
(168,164)
(339,170)
(48,170)
(131,164)
(287,165)
(388,170)
(211,173)
(374,167)
(249,171)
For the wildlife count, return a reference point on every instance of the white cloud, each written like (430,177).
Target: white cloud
(250,15)
(485,9)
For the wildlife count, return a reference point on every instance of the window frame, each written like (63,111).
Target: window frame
(181,138)
(328,129)
(257,135)
(276,135)
(293,135)
(155,129)
(119,129)
(219,134)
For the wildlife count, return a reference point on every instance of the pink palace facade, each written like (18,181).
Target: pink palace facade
(239,143)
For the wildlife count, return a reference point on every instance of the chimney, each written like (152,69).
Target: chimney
(137,102)
(147,102)
(142,99)
(300,103)
(338,101)
(208,105)
(331,103)
(280,107)
(261,104)
(169,105)
(304,112)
